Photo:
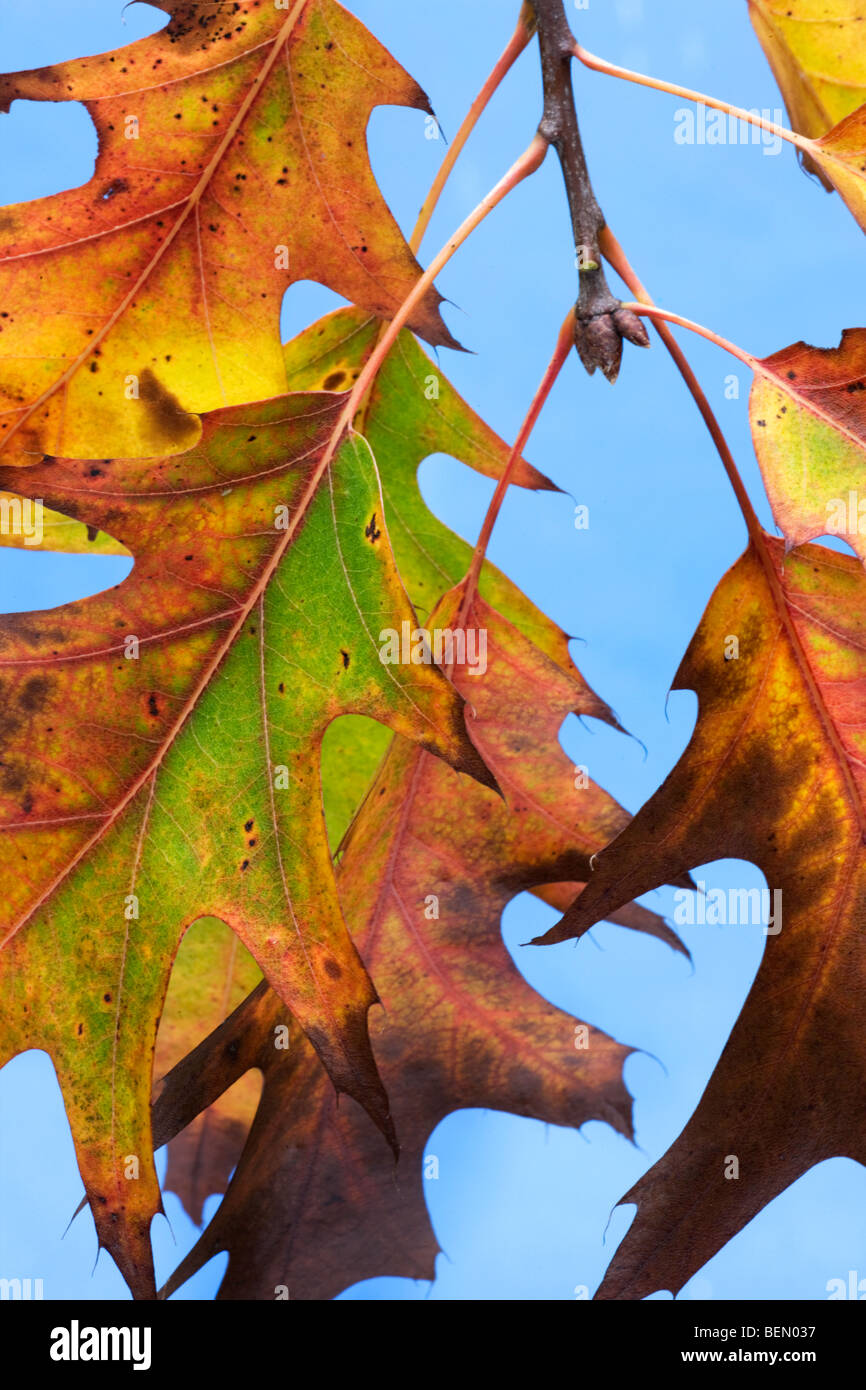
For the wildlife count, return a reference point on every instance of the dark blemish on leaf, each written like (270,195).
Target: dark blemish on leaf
(248,825)
(92,532)
(34,696)
(333,381)
(792,376)
(152,706)
(107,998)
(333,969)
(251,841)
(370,530)
(232,1048)
(95,472)
(762,423)
(281,688)
(346,658)
(245,865)
(163,407)
(27,804)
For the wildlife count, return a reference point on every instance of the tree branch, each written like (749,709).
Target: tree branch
(600,322)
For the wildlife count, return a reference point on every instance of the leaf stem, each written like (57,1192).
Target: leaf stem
(613,252)
(512,51)
(564,344)
(590,60)
(653,311)
(515,46)
(531,159)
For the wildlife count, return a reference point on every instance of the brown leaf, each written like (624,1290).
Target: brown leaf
(774,774)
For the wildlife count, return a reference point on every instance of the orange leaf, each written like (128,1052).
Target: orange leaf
(232,162)
(808,417)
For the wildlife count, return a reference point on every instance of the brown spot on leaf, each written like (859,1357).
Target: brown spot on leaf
(34,696)
(164,408)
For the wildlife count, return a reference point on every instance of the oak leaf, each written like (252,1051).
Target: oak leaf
(159,762)
(808,416)
(232,162)
(774,774)
(411,412)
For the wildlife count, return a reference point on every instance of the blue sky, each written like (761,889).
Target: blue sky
(727,236)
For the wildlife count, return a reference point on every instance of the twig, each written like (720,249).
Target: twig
(600,322)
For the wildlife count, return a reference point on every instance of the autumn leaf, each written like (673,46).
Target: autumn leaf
(426,870)
(774,775)
(405,419)
(808,416)
(840,156)
(159,763)
(354,744)
(232,162)
(817,51)
(412,412)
